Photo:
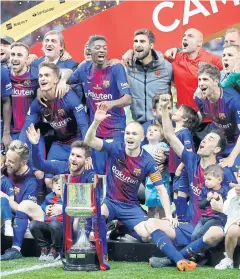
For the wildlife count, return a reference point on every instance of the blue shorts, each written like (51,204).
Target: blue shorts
(100,158)
(180,183)
(59,152)
(183,234)
(129,214)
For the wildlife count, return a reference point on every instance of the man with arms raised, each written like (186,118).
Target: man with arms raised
(128,166)
(75,173)
(25,188)
(108,85)
(195,164)
(222,105)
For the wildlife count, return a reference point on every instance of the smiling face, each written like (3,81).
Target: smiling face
(230,57)
(157,113)
(19,59)
(5,50)
(99,52)
(207,85)
(52,47)
(133,136)
(47,79)
(209,145)
(13,162)
(77,160)
(191,41)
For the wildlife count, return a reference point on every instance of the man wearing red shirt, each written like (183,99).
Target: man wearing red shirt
(186,64)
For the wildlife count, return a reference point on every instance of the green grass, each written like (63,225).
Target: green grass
(121,270)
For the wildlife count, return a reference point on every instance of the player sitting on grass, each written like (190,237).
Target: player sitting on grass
(231,208)
(49,233)
(25,196)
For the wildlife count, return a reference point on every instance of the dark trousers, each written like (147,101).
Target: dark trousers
(47,234)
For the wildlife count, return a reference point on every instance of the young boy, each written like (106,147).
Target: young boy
(6,188)
(186,120)
(213,176)
(231,208)
(48,234)
(155,144)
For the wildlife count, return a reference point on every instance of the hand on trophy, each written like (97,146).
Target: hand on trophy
(33,135)
(101,113)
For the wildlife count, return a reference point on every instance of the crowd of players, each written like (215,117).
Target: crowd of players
(53,104)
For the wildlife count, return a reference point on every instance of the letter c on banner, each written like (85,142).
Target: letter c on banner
(156,22)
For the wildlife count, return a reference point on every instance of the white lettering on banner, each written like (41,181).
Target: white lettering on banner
(123,177)
(22,92)
(98,97)
(60,124)
(200,9)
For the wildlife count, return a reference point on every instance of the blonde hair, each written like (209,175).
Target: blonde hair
(21,149)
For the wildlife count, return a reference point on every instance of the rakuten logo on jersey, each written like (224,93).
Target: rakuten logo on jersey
(123,177)
(195,190)
(98,96)
(60,124)
(22,92)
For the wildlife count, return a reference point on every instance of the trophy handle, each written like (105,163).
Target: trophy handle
(104,183)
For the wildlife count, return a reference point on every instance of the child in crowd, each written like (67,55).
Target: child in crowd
(48,234)
(213,190)
(155,144)
(231,208)
(6,188)
(186,120)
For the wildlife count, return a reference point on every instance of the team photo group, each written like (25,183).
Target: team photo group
(65,123)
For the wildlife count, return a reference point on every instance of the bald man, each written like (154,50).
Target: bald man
(232,36)
(186,64)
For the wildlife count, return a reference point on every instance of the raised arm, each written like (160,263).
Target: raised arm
(168,127)
(90,138)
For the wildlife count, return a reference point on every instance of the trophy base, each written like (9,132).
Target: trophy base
(81,260)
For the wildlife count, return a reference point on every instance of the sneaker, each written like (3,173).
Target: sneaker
(11,254)
(225,263)
(8,230)
(185,265)
(28,233)
(53,256)
(156,262)
(119,231)
(44,254)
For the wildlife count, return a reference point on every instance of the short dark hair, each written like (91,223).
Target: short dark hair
(191,120)
(52,66)
(94,38)
(82,145)
(222,143)
(210,70)
(20,44)
(156,99)
(147,32)
(215,171)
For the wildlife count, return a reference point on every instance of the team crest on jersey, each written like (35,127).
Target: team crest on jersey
(61,112)
(222,116)
(106,83)
(137,172)
(16,190)
(158,73)
(97,87)
(27,82)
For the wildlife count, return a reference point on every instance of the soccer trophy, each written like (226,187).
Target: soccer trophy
(82,201)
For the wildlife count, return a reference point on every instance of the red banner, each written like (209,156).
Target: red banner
(167,19)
